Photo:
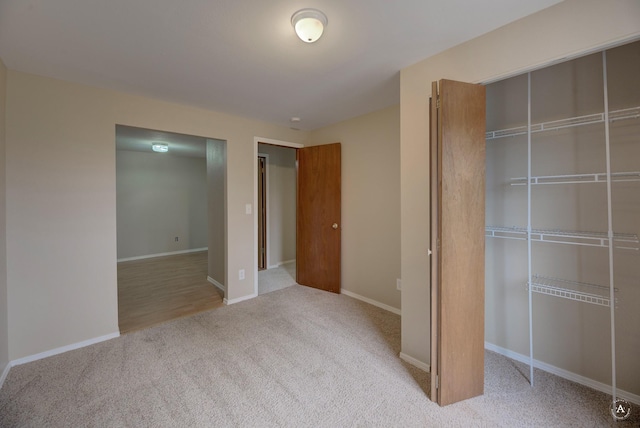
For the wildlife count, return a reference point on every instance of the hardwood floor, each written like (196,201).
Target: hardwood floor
(152,291)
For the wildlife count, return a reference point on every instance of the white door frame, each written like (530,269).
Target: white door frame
(257,140)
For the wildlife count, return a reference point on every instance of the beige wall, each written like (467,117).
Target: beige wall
(370,202)
(567,29)
(61,202)
(281,205)
(4,316)
(160,196)
(217,202)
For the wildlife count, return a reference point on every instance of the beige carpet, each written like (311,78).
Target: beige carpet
(297,357)
(276,278)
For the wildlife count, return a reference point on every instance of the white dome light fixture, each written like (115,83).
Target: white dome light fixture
(160,147)
(309,24)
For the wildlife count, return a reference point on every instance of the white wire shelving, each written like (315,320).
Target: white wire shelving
(577,291)
(554,125)
(572,290)
(623,241)
(600,177)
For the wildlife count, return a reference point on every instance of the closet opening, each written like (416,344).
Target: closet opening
(562,203)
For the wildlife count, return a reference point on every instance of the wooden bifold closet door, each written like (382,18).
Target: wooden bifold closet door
(457,240)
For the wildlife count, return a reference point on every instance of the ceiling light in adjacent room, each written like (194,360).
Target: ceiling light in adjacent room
(309,24)
(160,147)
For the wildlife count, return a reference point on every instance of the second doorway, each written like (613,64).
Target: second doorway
(276,208)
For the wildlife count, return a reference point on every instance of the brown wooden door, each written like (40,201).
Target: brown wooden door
(318,217)
(457,235)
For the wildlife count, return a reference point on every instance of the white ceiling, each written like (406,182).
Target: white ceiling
(242,56)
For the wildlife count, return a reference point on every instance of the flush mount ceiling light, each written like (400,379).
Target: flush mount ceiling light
(309,24)
(160,147)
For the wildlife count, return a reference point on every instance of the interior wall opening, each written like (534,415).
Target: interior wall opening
(171,222)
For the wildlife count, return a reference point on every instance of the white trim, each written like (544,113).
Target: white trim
(255,218)
(371,301)
(5,373)
(171,253)
(415,362)
(216,283)
(256,141)
(582,380)
(63,349)
(239,299)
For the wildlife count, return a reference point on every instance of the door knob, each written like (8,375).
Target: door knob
(335,225)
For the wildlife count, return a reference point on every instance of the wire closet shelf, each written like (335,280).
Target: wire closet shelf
(572,290)
(624,241)
(554,125)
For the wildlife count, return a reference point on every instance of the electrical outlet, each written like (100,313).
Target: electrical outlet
(176,239)
(399,284)
(247,208)
(241,274)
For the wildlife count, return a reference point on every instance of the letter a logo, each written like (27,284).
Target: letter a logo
(620,410)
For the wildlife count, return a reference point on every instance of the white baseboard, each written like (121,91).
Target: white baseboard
(582,380)
(172,253)
(63,349)
(239,299)
(5,373)
(216,283)
(415,362)
(277,265)
(371,301)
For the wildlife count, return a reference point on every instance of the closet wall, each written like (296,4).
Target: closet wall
(571,332)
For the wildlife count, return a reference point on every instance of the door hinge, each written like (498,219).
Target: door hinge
(438,244)
(438,102)
(437,382)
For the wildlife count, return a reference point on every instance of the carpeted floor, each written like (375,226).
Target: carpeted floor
(276,278)
(297,357)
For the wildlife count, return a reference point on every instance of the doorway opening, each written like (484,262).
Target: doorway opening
(276,211)
(171,223)
(315,222)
